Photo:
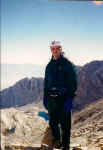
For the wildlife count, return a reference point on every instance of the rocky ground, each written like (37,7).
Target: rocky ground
(24,129)
(87,126)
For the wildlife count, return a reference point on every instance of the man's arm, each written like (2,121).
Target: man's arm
(45,89)
(46,81)
(71,79)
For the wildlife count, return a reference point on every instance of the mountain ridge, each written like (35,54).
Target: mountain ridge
(30,90)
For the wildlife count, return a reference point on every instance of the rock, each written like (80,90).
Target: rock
(20,127)
(76,148)
(48,138)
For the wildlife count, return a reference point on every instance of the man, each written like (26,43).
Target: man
(60,85)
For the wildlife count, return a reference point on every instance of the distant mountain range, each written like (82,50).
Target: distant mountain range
(90,84)
(27,91)
(11,73)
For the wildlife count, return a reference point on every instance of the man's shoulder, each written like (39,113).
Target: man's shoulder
(67,61)
(69,65)
(48,65)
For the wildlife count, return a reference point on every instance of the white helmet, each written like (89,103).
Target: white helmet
(55,43)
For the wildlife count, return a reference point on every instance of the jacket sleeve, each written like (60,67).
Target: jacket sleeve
(45,81)
(71,76)
(45,90)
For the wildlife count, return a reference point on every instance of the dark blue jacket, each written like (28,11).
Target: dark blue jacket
(60,73)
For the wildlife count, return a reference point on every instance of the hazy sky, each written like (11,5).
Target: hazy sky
(29,25)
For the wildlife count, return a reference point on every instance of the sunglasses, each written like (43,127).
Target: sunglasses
(55,48)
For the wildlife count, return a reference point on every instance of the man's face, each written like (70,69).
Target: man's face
(56,51)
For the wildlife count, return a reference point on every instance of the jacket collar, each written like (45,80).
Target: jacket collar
(57,60)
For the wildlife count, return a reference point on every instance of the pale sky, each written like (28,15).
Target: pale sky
(28,26)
